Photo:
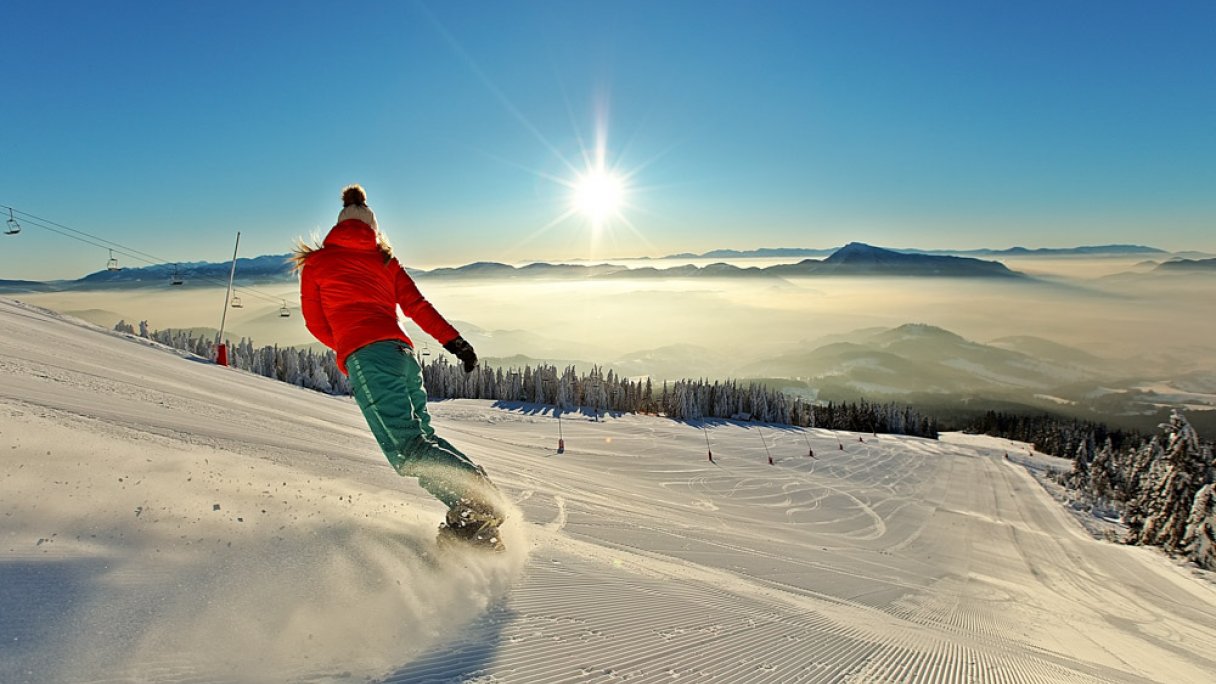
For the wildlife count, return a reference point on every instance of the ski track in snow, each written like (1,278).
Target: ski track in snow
(168,520)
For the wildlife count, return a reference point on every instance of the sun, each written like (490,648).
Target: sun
(598,194)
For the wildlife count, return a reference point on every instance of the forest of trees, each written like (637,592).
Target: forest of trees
(566,389)
(1161,485)
(1050,434)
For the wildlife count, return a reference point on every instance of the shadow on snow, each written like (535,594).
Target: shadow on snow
(469,656)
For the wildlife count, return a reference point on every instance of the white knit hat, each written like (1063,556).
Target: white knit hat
(354,206)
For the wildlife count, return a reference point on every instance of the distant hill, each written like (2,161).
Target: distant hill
(917,358)
(1187,266)
(268,268)
(1092,250)
(780,252)
(676,361)
(762,253)
(856,259)
(25,286)
(1052,352)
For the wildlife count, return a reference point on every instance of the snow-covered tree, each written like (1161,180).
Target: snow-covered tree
(319,379)
(1079,478)
(565,399)
(1199,542)
(1102,473)
(1172,487)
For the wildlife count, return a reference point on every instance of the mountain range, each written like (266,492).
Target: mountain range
(854,259)
(781,252)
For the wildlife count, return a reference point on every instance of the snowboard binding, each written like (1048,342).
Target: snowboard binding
(472,524)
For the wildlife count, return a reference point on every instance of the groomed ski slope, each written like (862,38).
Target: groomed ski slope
(164,519)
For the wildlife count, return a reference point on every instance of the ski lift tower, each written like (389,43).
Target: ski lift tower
(595,398)
(557,412)
(221,349)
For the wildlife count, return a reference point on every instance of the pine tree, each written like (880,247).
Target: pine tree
(1199,542)
(1101,473)
(1172,491)
(1079,477)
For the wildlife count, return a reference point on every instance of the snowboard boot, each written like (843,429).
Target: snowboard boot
(472,523)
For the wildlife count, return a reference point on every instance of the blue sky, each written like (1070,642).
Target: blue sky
(168,126)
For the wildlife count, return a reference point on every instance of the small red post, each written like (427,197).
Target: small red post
(561,446)
(221,354)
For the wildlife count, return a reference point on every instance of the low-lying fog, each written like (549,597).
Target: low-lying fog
(1079,303)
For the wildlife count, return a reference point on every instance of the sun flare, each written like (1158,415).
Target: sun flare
(598,195)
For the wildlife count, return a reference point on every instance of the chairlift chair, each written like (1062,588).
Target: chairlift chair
(284,312)
(12,227)
(177,278)
(112,264)
(236,302)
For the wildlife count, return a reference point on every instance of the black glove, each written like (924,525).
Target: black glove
(463,351)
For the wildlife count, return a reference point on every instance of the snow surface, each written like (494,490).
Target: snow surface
(165,519)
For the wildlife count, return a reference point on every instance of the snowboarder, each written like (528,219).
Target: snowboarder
(351,286)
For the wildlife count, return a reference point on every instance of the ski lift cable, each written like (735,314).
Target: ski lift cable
(108,243)
(31,222)
(124,250)
(135,255)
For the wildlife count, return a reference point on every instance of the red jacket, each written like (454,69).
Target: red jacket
(350,294)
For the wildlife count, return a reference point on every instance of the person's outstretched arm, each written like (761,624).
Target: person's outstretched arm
(414,305)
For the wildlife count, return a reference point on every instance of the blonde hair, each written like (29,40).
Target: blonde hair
(302,250)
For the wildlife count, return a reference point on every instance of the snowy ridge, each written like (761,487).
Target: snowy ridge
(883,559)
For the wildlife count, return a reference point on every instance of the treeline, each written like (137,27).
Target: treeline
(301,367)
(1160,485)
(682,400)
(1051,434)
(566,389)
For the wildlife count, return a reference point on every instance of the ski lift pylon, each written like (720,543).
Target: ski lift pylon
(112,264)
(12,227)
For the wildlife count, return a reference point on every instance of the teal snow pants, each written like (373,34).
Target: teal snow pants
(387,383)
